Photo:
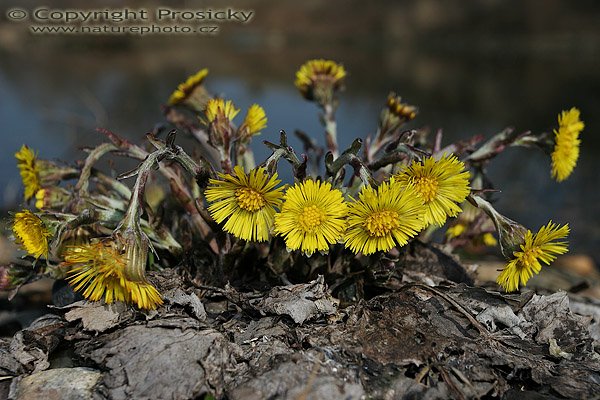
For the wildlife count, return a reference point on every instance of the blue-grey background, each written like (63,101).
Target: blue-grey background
(471,67)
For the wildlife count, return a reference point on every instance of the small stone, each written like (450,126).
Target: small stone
(58,384)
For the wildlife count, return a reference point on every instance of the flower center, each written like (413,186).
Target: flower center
(249,199)
(529,256)
(427,187)
(381,223)
(311,218)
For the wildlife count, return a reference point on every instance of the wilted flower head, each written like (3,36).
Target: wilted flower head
(312,217)
(189,89)
(380,218)
(319,80)
(395,113)
(542,246)
(5,281)
(53,197)
(31,233)
(442,184)
(246,203)
(566,144)
(255,121)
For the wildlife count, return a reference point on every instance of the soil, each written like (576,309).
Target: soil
(427,333)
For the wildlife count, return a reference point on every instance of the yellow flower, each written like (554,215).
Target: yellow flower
(312,217)
(566,144)
(185,89)
(318,79)
(30,174)
(440,183)
(99,272)
(542,246)
(31,233)
(569,121)
(455,231)
(255,121)
(489,240)
(220,108)
(245,202)
(381,218)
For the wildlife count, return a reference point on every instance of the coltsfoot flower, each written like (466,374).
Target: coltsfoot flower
(219,108)
(380,218)
(489,240)
(99,272)
(320,79)
(31,233)
(312,217)
(185,89)
(542,246)
(245,203)
(29,170)
(255,121)
(37,173)
(51,198)
(442,184)
(566,144)
(455,230)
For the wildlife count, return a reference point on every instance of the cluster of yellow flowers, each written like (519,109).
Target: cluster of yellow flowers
(314,215)
(254,122)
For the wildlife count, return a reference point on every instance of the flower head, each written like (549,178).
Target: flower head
(312,217)
(31,233)
(543,246)
(471,224)
(455,230)
(221,109)
(185,89)
(29,170)
(382,217)
(255,121)
(395,113)
(489,240)
(566,144)
(99,272)
(246,203)
(53,197)
(441,184)
(319,79)
(570,122)
(37,173)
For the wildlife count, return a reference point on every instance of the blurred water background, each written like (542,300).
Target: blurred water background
(471,67)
